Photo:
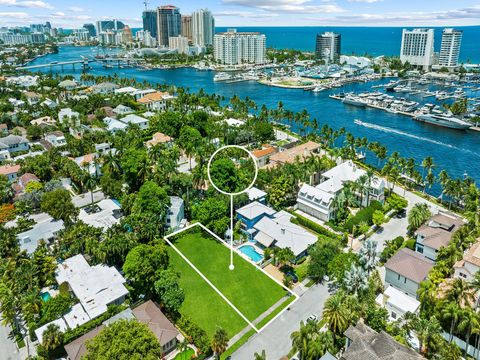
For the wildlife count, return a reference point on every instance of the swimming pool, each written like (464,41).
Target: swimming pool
(250,251)
(45,296)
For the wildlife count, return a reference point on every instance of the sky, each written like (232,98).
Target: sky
(72,14)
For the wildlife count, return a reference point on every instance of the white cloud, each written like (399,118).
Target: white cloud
(287,6)
(14,15)
(76,9)
(32,4)
(365,1)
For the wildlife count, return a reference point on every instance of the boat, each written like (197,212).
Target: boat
(318,89)
(444,121)
(354,101)
(221,77)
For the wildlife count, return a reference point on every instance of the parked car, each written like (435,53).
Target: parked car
(293,276)
(312,317)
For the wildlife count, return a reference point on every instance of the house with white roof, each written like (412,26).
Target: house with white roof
(122,110)
(397,303)
(49,103)
(103,214)
(96,287)
(255,194)
(176,213)
(68,84)
(55,138)
(268,228)
(113,125)
(141,122)
(62,325)
(318,201)
(45,229)
(104,88)
(69,116)
(129,90)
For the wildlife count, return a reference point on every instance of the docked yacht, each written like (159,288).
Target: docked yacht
(222,77)
(443,120)
(318,89)
(353,100)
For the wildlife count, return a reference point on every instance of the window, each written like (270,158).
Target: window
(398,278)
(394,316)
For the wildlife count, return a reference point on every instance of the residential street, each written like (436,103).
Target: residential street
(275,339)
(8,349)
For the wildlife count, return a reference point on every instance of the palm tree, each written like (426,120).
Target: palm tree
(355,280)
(451,312)
(261,356)
(90,183)
(461,292)
(417,215)
(52,337)
(335,314)
(468,324)
(219,342)
(428,332)
(368,255)
(305,340)
(426,294)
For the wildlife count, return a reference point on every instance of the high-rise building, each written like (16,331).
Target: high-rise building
(203,27)
(450,49)
(149,18)
(187,27)
(109,25)
(81,34)
(232,47)
(127,36)
(328,46)
(417,47)
(179,43)
(169,23)
(91,29)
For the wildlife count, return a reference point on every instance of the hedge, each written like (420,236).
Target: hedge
(309,224)
(198,336)
(363,215)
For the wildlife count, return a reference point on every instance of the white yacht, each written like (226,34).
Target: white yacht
(443,120)
(222,77)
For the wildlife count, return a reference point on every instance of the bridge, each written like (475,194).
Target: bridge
(107,62)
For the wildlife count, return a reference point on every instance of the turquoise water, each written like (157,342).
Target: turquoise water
(455,151)
(250,251)
(45,296)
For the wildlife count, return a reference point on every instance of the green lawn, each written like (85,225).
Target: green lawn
(247,287)
(186,355)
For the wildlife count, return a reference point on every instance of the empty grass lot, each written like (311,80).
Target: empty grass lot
(247,287)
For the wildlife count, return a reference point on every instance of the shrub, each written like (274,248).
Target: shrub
(391,248)
(395,202)
(309,224)
(365,215)
(197,335)
(54,308)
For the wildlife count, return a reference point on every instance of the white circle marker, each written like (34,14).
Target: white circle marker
(231,267)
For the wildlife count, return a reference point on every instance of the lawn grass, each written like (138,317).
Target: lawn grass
(202,304)
(185,355)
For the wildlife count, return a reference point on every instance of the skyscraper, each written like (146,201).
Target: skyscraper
(328,46)
(450,49)
(90,28)
(150,22)
(169,23)
(232,47)
(187,27)
(417,47)
(203,27)
(109,25)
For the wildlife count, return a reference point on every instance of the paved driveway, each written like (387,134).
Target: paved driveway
(8,348)
(275,339)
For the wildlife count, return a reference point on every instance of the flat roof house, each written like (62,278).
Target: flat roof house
(104,88)
(102,215)
(95,286)
(251,213)
(55,138)
(46,229)
(467,267)
(69,116)
(436,233)
(364,343)
(406,270)
(176,213)
(133,119)
(397,303)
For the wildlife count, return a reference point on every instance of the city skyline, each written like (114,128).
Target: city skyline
(69,14)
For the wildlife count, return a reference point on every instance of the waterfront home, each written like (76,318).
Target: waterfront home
(133,119)
(104,88)
(103,214)
(318,200)
(129,90)
(10,171)
(469,265)
(156,101)
(262,156)
(68,85)
(55,138)
(69,117)
(158,138)
(32,97)
(176,214)
(113,125)
(23,80)
(45,229)
(299,152)
(122,110)
(21,183)
(43,121)
(397,303)
(148,313)
(436,233)
(96,287)
(14,144)
(406,270)
(362,342)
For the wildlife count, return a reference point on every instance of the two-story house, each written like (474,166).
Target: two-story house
(55,138)
(14,143)
(436,233)
(406,270)
(467,267)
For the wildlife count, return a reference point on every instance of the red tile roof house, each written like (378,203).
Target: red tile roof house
(21,183)
(10,171)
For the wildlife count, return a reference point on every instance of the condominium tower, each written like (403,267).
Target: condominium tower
(417,47)
(328,46)
(450,49)
(203,27)
(187,27)
(232,47)
(149,18)
(169,23)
